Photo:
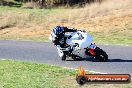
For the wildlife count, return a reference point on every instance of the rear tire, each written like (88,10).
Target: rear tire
(101,55)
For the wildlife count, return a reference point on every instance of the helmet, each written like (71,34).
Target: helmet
(58,30)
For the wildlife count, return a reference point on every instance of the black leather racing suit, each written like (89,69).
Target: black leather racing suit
(62,38)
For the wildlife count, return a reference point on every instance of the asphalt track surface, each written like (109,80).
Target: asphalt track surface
(120,57)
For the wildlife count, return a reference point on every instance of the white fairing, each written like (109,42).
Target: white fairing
(82,38)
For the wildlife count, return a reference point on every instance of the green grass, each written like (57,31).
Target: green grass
(39,12)
(37,15)
(112,38)
(35,39)
(18,74)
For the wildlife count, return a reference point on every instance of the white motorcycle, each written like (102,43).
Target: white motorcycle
(79,45)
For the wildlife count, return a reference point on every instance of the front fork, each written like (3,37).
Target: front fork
(90,50)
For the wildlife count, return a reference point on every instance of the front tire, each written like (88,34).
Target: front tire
(101,55)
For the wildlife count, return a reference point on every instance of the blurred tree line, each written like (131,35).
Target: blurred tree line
(60,2)
(46,3)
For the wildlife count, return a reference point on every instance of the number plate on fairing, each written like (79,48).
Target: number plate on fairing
(92,46)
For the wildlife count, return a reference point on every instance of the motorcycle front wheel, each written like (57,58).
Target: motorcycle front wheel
(101,55)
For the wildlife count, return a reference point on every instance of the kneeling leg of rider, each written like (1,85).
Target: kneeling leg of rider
(60,52)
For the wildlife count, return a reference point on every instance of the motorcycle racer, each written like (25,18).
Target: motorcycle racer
(58,34)
(75,43)
(59,39)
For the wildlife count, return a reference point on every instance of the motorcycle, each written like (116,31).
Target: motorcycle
(79,45)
